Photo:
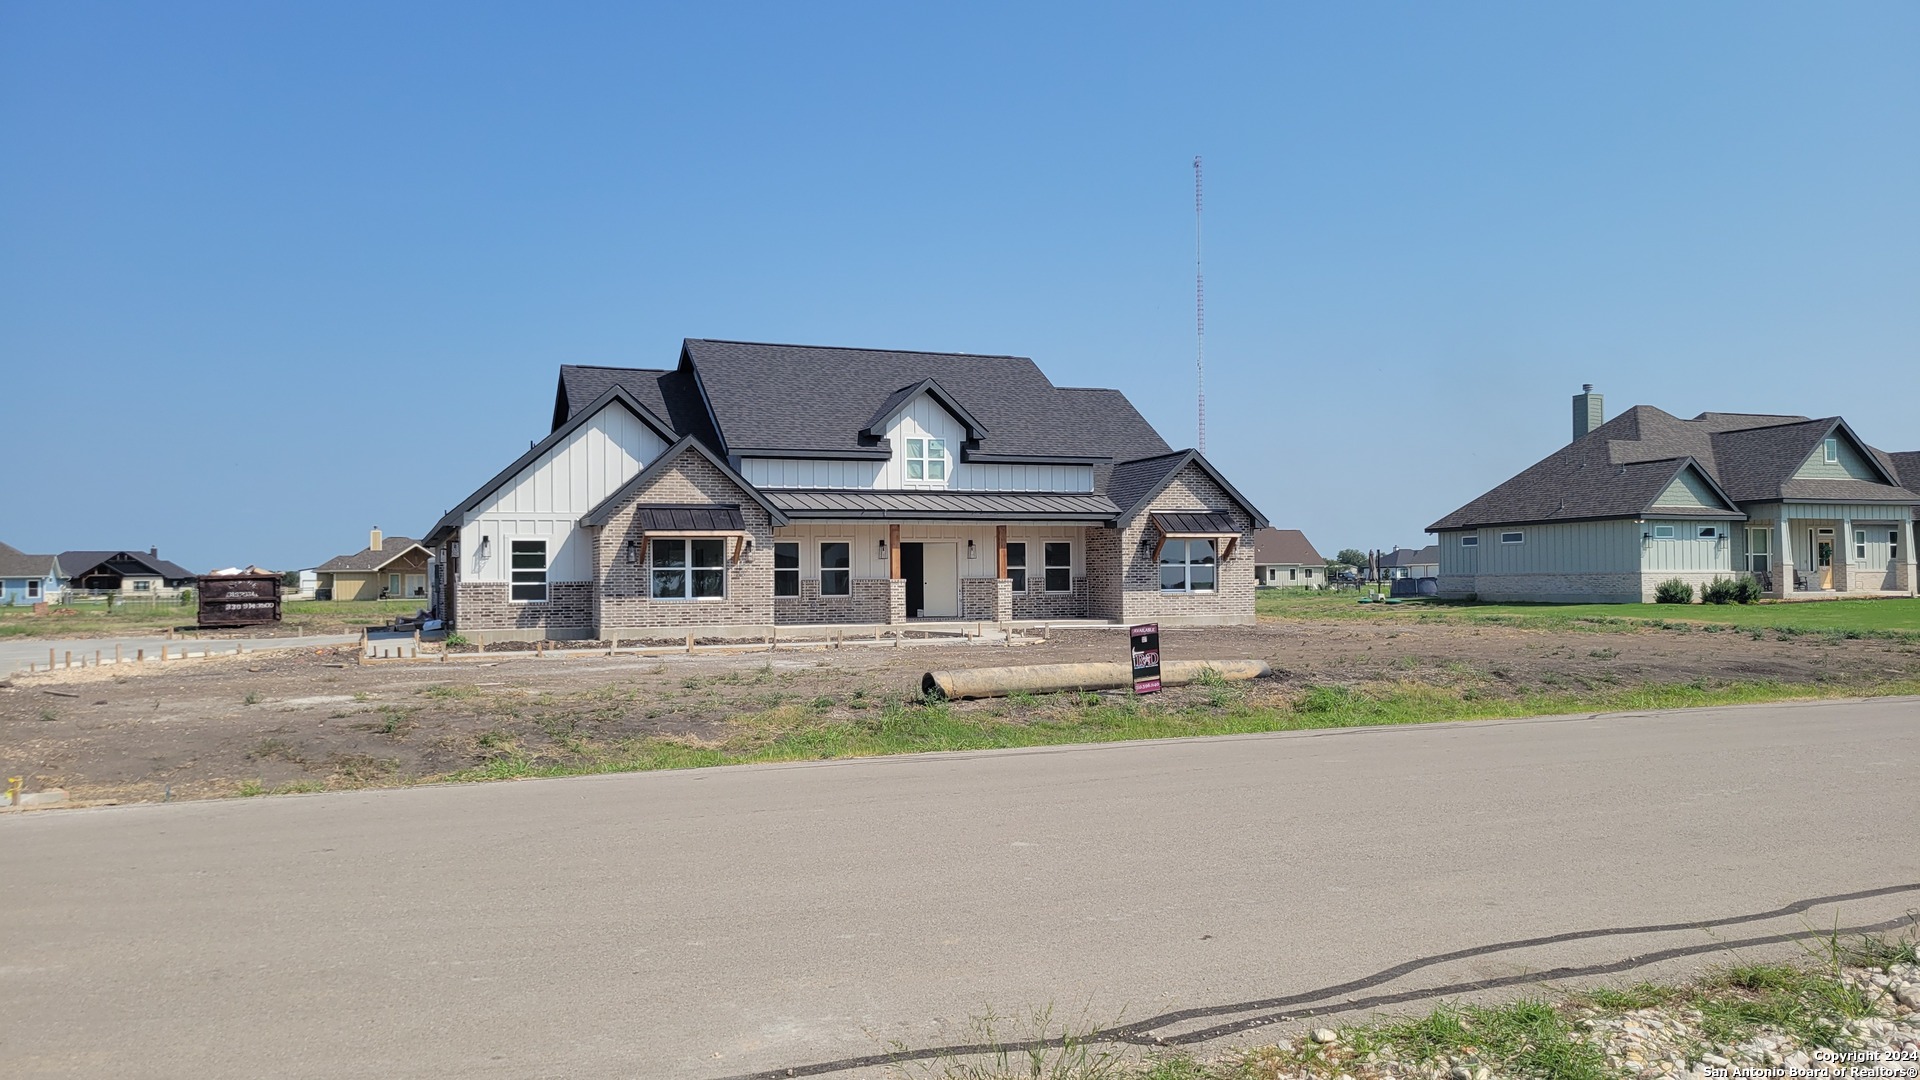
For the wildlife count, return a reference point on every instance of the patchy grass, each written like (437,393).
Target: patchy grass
(797,731)
(1893,617)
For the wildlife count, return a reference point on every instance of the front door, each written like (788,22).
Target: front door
(1823,556)
(940,581)
(912,559)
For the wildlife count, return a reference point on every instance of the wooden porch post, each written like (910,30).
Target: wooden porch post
(893,552)
(1000,551)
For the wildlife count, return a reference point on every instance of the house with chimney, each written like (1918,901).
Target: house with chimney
(388,568)
(753,485)
(1804,506)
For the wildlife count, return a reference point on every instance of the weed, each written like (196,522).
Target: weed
(1603,654)
(250,788)
(449,692)
(252,698)
(276,748)
(362,696)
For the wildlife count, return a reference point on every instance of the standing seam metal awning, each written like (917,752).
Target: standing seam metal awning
(1195,525)
(668,521)
(861,503)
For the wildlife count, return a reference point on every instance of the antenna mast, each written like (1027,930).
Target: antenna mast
(1199,311)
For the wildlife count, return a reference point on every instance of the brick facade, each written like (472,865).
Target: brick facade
(567,613)
(1132,550)
(866,604)
(624,596)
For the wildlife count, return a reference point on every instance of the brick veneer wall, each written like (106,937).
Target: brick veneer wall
(1140,596)
(866,604)
(625,588)
(484,605)
(1036,603)
(1105,573)
(977,596)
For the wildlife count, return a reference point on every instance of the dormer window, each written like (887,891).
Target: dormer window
(927,459)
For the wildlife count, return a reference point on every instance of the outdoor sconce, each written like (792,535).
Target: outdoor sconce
(883,549)
(486,545)
(972,552)
(1146,541)
(633,553)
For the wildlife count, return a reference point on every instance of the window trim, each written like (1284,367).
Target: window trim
(1186,566)
(1708,532)
(795,569)
(1020,583)
(1765,548)
(1047,566)
(1518,536)
(545,571)
(1893,545)
(1831,450)
(33,588)
(925,459)
(1672,532)
(1860,545)
(1470,540)
(687,570)
(820,570)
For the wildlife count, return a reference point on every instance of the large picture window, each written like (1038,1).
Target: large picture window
(927,459)
(836,568)
(1059,558)
(1017,565)
(528,565)
(786,568)
(1187,566)
(694,569)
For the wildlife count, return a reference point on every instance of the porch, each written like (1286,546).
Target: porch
(1830,552)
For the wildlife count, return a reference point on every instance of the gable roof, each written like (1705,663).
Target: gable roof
(15,563)
(81,563)
(598,516)
(1135,483)
(1621,467)
(1411,556)
(877,428)
(367,560)
(615,393)
(1284,547)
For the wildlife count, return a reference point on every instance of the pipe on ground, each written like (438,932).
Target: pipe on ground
(1053,678)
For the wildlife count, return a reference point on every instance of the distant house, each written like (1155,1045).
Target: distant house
(388,568)
(1803,506)
(141,573)
(1410,563)
(1283,558)
(29,579)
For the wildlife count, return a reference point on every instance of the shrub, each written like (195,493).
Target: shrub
(1746,591)
(1719,591)
(1673,591)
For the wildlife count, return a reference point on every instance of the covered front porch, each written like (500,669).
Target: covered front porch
(1818,551)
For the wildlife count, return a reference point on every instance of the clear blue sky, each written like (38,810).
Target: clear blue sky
(271,274)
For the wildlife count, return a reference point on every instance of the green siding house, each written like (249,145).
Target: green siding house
(1804,506)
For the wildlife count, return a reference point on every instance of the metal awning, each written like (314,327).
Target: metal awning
(667,521)
(855,503)
(1195,525)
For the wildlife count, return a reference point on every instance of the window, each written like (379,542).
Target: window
(1860,545)
(1017,565)
(143,585)
(1513,537)
(1187,566)
(927,459)
(1893,546)
(836,568)
(786,568)
(1309,572)
(1832,447)
(693,569)
(1293,573)
(1759,548)
(1059,567)
(394,587)
(1663,532)
(1470,541)
(528,563)
(1709,532)
(33,589)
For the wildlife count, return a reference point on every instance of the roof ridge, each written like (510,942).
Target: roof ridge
(860,348)
(1156,457)
(616,367)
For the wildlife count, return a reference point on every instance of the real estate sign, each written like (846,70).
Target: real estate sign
(1146,657)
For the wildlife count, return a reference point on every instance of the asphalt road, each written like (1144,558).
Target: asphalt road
(722,922)
(16,655)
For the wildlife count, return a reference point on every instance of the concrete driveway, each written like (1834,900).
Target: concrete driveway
(751,921)
(17,655)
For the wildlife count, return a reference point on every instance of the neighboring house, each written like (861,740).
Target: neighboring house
(1282,558)
(29,579)
(388,568)
(754,485)
(1410,563)
(135,573)
(1805,506)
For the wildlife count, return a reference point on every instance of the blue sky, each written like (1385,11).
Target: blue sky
(272,274)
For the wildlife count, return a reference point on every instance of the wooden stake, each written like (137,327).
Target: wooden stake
(689,644)
(116,652)
(139,656)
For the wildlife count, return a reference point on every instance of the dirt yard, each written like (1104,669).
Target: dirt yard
(317,719)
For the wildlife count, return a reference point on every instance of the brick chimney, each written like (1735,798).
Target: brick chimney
(373,539)
(1589,411)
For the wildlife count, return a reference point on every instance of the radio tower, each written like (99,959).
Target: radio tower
(1199,310)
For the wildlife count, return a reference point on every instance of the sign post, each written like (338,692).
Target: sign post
(1146,657)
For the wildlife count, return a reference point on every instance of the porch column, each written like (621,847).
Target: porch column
(1843,559)
(893,552)
(1785,574)
(1000,548)
(1908,564)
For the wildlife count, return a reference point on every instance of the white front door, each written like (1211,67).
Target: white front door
(940,573)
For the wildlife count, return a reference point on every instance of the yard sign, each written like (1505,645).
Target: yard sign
(1146,657)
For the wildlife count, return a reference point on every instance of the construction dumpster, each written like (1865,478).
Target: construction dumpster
(244,599)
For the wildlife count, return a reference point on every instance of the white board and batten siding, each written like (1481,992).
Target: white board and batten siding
(869,561)
(920,418)
(552,493)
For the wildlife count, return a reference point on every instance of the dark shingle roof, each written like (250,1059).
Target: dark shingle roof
(1285,547)
(672,396)
(15,563)
(78,563)
(1622,466)
(1411,556)
(367,559)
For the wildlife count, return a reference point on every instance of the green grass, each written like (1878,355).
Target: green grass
(92,618)
(801,732)
(1897,617)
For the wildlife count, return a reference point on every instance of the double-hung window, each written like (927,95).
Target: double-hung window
(690,569)
(1017,565)
(786,568)
(836,568)
(1059,558)
(33,590)
(1860,545)
(1759,549)
(528,565)
(1893,545)
(1187,566)
(927,460)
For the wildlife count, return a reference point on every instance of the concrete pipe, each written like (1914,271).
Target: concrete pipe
(1053,678)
